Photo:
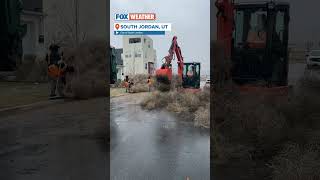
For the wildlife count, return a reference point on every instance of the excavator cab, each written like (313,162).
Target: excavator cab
(259,43)
(188,73)
(191,75)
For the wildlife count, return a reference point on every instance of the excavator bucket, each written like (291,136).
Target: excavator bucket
(164,75)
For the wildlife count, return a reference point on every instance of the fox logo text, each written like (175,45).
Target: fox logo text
(121,17)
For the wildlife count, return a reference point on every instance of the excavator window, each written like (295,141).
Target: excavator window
(197,70)
(251,28)
(185,70)
(260,42)
(191,75)
(190,71)
(238,33)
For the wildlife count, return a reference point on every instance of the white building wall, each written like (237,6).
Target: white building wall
(136,56)
(120,75)
(30,42)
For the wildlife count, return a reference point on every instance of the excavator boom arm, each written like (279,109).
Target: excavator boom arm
(225,24)
(175,49)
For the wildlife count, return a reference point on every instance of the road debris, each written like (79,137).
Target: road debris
(186,104)
(90,77)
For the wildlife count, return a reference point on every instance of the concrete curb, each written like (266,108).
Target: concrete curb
(10,110)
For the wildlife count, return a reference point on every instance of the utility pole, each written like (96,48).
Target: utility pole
(134,59)
(76,10)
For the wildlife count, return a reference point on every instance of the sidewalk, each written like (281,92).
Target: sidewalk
(20,93)
(16,96)
(15,109)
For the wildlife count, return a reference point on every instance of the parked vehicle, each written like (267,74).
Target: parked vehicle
(313,58)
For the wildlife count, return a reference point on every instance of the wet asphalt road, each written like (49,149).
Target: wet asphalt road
(63,142)
(67,142)
(296,71)
(155,145)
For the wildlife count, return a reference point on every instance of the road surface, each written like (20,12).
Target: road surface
(155,145)
(68,141)
(296,71)
(65,141)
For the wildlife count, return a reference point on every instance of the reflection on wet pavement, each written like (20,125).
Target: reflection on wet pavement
(155,145)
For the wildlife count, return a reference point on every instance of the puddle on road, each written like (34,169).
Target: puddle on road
(156,145)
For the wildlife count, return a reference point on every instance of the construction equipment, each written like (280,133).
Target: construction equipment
(254,37)
(188,73)
(11,34)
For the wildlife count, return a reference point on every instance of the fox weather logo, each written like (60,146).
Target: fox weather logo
(137,24)
(135,17)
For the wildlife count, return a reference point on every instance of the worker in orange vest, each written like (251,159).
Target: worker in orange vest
(55,69)
(149,82)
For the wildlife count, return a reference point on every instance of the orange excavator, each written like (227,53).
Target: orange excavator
(188,73)
(254,38)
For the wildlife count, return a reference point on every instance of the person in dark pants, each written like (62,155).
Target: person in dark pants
(54,69)
(130,85)
(126,84)
(149,82)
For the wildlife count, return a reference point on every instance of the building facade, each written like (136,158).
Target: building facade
(113,65)
(139,56)
(120,66)
(33,40)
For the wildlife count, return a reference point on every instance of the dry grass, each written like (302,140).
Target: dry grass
(156,100)
(256,127)
(140,83)
(90,77)
(189,105)
(175,83)
(296,162)
(32,69)
(202,117)
(299,160)
(115,92)
(222,150)
(247,123)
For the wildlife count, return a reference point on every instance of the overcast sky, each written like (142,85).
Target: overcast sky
(190,23)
